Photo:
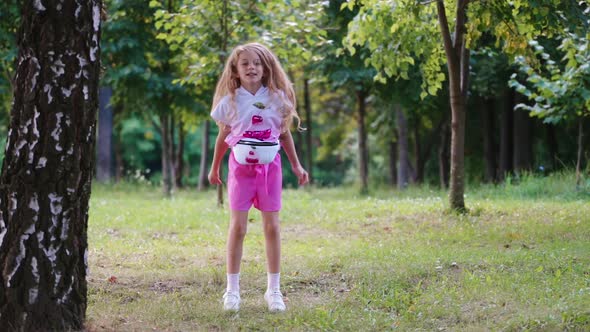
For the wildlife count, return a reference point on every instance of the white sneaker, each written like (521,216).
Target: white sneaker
(231,301)
(274,299)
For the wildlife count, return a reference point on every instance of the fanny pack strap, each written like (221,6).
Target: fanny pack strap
(261,143)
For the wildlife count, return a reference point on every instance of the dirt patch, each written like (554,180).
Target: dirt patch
(169,286)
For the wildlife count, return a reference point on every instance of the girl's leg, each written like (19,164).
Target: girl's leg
(235,239)
(272,235)
(238,227)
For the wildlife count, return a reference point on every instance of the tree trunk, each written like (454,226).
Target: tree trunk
(203,170)
(506,137)
(105,137)
(393,163)
(119,165)
(172,148)
(580,152)
(458,65)
(552,145)
(523,147)
(166,166)
(308,125)
(178,158)
(47,172)
(444,156)
(363,150)
(418,157)
(403,170)
(489,145)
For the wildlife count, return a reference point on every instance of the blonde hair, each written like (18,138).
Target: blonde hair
(274,78)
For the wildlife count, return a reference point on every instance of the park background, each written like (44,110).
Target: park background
(388,126)
(372,83)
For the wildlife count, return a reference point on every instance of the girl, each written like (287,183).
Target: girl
(254,105)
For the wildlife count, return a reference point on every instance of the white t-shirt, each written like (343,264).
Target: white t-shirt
(256,116)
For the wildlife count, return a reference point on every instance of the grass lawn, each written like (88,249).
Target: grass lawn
(519,260)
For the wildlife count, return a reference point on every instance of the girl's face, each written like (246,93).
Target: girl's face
(250,71)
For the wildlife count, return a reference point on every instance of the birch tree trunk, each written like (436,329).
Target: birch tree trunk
(47,172)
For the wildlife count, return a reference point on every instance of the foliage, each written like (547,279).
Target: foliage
(413,32)
(9,22)
(342,69)
(559,91)
(518,261)
(289,29)
(490,70)
(137,65)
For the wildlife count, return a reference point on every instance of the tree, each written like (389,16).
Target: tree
(142,71)
(47,172)
(347,71)
(205,43)
(559,93)
(412,26)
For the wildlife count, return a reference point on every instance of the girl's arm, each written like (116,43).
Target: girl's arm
(218,153)
(289,146)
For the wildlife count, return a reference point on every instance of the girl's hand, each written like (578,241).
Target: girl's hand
(301,175)
(214,177)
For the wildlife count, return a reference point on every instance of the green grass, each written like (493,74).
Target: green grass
(519,260)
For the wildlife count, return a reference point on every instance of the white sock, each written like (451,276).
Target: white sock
(274,281)
(233,282)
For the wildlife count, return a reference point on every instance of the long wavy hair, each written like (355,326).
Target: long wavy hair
(274,78)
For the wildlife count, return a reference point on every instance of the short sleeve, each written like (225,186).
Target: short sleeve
(221,112)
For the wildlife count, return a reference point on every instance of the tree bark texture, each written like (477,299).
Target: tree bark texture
(363,150)
(47,172)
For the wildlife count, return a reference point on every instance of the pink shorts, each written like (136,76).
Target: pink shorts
(260,185)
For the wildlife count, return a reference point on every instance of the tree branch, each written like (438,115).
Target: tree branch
(446,35)
(461,18)
(465,54)
(460,36)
